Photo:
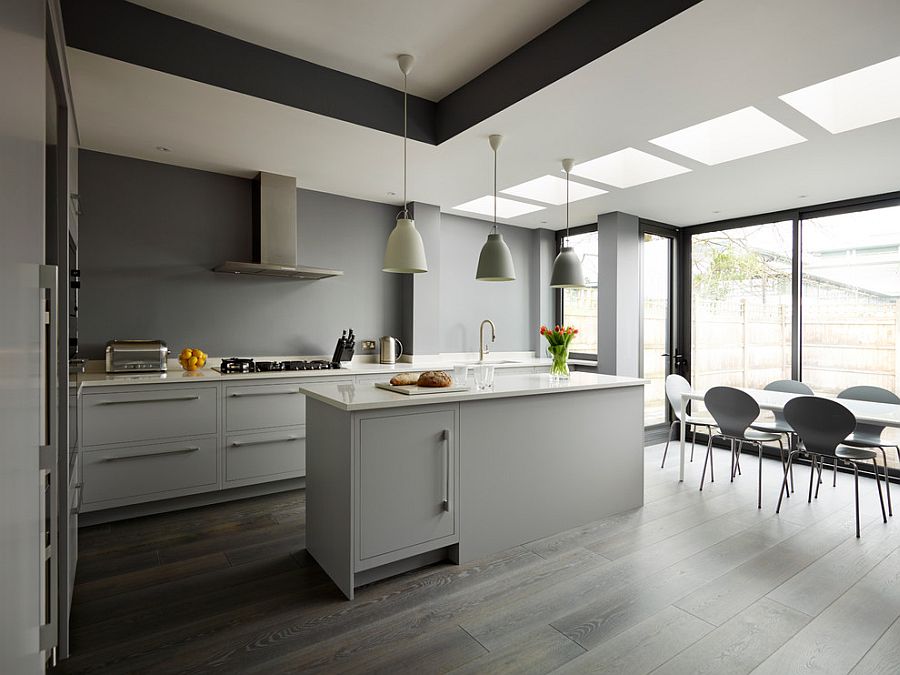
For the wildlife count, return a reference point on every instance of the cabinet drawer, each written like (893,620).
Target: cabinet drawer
(272,455)
(263,406)
(139,471)
(149,414)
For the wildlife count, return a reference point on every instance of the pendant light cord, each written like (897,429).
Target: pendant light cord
(405,210)
(494,228)
(567,207)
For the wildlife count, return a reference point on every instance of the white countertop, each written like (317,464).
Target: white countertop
(176,375)
(351,397)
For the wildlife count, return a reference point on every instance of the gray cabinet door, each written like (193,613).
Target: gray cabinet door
(407,481)
(260,457)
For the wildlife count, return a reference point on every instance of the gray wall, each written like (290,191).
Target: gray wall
(465,302)
(151,233)
(619,294)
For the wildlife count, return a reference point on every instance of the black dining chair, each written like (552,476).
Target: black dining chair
(869,435)
(822,425)
(734,412)
(780,425)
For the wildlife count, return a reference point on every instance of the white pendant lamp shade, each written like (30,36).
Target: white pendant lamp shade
(405,252)
(495,262)
(567,270)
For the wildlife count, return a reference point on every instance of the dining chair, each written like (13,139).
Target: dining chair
(734,411)
(676,385)
(869,435)
(822,425)
(780,425)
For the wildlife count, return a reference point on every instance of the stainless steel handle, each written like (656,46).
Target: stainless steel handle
(75,509)
(448,447)
(239,444)
(239,394)
(148,400)
(177,451)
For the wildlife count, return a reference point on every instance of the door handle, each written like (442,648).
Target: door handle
(157,453)
(448,447)
(148,400)
(238,394)
(243,444)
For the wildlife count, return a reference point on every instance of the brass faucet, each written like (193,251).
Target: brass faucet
(482,345)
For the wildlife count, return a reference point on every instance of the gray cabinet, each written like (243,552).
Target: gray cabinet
(148,413)
(407,468)
(138,473)
(261,406)
(261,457)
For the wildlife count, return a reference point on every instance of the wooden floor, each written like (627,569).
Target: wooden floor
(690,583)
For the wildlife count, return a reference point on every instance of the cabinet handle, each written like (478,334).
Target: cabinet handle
(75,509)
(448,446)
(262,393)
(177,451)
(239,444)
(148,400)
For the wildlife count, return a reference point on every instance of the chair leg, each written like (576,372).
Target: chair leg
(887,481)
(783,458)
(712,465)
(693,442)
(856,494)
(812,473)
(784,481)
(793,446)
(878,483)
(819,482)
(731,445)
(759,496)
(668,440)
(705,461)
(834,473)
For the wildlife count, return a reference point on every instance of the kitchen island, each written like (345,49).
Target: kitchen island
(395,482)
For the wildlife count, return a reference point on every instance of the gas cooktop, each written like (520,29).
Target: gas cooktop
(238,365)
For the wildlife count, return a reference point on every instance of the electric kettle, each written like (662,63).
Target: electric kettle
(391,349)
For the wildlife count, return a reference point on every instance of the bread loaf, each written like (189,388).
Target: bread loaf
(404,379)
(434,378)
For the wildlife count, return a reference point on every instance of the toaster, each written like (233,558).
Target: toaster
(129,356)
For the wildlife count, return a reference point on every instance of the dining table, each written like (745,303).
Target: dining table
(866,412)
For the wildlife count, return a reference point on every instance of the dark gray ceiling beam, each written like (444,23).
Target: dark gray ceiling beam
(137,35)
(134,34)
(594,29)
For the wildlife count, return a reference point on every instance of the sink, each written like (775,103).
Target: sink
(496,363)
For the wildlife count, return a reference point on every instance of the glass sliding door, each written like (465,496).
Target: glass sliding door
(579,305)
(741,306)
(851,303)
(656,323)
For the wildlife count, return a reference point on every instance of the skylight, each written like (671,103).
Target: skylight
(866,96)
(627,168)
(552,190)
(506,208)
(742,133)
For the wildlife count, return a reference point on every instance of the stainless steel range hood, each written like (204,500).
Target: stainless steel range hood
(275,233)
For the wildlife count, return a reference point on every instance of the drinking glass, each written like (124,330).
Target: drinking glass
(484,376)
(460,375)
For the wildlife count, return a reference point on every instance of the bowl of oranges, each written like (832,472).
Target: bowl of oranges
(192,358)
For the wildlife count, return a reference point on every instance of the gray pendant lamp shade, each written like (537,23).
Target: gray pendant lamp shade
(405,252)
(495,262)
(567,271)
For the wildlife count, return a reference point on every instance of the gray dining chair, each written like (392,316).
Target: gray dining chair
(822,425)
(734,411)
(869,435)
(676,385)
(780,425)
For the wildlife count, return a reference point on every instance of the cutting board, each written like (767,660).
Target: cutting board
(416,390)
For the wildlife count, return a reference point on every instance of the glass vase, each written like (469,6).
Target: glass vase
(559,368)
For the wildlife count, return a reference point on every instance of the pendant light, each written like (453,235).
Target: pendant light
(495,262)
(567,271)
(405,252)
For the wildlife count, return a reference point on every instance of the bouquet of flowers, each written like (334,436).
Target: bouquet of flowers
(558,340)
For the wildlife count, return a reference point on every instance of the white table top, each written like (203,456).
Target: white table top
(351,397)
(884,414)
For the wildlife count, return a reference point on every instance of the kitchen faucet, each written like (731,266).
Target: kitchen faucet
(482,345)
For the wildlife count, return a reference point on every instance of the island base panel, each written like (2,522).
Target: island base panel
(534,466)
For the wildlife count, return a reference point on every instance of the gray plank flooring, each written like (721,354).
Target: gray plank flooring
(690,583)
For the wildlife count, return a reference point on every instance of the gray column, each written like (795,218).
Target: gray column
(421,292)
(618,294)
(542,298)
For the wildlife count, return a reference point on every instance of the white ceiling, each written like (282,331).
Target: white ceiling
(452,40)
(717,57)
